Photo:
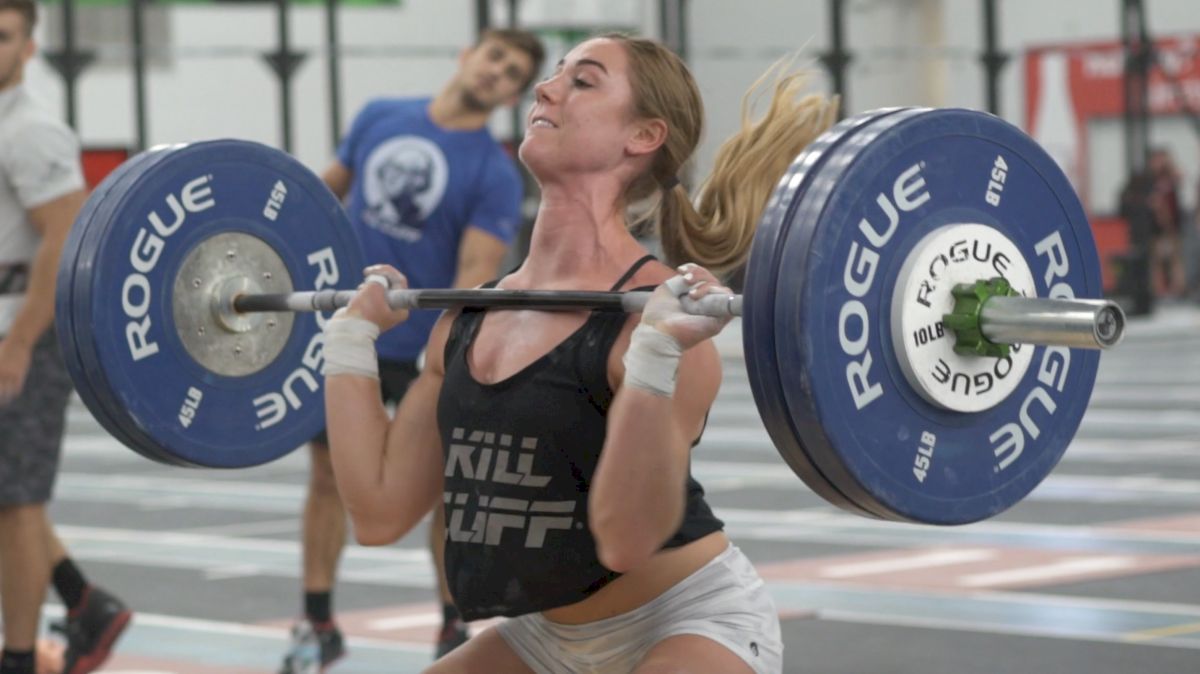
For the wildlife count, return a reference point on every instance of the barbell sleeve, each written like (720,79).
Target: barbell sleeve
(1086,324)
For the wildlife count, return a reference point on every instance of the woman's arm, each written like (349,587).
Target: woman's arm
(638,492)
(388,471)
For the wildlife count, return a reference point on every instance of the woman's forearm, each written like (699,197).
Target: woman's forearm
(638,491)
(357,424)
(388,471)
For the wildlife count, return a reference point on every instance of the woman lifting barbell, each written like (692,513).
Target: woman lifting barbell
(559,441)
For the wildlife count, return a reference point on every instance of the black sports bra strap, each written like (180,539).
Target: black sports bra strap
(632,270)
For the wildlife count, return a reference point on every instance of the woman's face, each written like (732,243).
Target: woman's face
(582,120)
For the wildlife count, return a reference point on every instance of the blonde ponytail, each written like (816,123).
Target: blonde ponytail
(717,231)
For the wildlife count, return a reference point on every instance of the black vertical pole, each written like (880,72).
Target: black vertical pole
(283,63)
(668,22)
(332,45)
(672,22)
(138,30)
(993,59)
(69,61)
(68,15)
(285,77)
(672,19)
(514,112)
(1136,90)
(1127,46)
(1137,65)
(483,16)
(682,48)
(837,58)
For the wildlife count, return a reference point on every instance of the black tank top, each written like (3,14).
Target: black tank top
(520,455)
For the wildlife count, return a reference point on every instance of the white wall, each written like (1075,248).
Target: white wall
(906,52)
(925,52)
(203,93)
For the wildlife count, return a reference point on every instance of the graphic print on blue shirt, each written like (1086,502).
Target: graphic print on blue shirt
(417,188)
(403,182)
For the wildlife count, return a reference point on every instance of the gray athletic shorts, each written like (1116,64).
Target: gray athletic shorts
(31,428)
(725,601)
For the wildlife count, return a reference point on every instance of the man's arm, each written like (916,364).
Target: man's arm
(492,225)
(338,178)
(479,258)
(53,220)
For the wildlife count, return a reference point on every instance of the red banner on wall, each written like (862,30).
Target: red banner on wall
(1068,85)
(98,162)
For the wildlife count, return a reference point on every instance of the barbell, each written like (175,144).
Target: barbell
(921,318)
(994,319)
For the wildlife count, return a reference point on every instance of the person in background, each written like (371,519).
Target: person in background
(41,191)
(430,191)
(1167,252)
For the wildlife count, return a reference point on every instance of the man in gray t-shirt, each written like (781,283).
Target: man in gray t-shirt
(41,191)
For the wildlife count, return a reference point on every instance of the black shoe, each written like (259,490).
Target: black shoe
(91,630)
(313,648)
(453,635)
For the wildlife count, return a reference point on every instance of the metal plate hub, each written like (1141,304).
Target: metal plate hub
(924,347)
(212,273)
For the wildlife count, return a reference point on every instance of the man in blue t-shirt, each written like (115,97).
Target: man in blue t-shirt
(429,191)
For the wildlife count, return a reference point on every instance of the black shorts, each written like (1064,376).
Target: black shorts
(31,428)
(395,376)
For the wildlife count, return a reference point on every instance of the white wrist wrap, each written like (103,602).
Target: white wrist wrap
(652,361)
(350,347)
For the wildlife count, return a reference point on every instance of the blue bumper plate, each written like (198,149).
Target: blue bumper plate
(855,415)
(163,242)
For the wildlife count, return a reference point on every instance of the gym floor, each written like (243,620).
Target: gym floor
(1097,571)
